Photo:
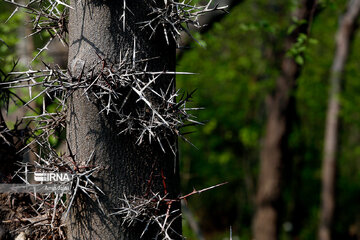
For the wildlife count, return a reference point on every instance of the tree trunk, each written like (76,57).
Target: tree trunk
(272,157)
(95,30)
(343,38)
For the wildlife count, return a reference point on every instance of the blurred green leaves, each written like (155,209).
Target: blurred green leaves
(236,74)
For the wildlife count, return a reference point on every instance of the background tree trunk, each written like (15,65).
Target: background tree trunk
(344,34)
(95,29)
(25,46)
(273,151)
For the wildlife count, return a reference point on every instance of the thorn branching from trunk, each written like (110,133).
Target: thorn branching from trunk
(157,115)
(175,17)
(145,210)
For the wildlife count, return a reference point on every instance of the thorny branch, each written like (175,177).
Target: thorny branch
(149,211)
(157,116)
(175,17)
(46,216)
(48,16)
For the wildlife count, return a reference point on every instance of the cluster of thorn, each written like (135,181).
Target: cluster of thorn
(40,218)
(45,216)
(7,96)
(156,210)
(159,113)
(48,16)
(175,17)
(149,212)
(51,209)
(51,87)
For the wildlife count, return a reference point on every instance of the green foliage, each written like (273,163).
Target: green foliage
(237,72)
(298,50)
(233,81)
(8,35)
(296,23)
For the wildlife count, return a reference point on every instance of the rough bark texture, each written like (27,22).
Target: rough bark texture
(343,38)
(272,156)
(95,29)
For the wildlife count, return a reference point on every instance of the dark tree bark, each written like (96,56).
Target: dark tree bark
(347,27)
(273,151)
(7,153)
(95,29)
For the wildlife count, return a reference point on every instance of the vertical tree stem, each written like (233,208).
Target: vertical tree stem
(343,38)
(95,30)
(273,151)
